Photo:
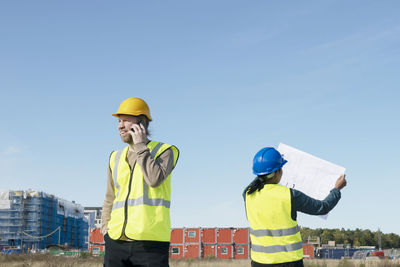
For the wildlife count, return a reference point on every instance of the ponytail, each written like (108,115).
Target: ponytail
(258,183)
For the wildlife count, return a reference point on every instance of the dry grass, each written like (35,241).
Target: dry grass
(44,260)
(352,263)
(209,263)
(307,263)
(63,261)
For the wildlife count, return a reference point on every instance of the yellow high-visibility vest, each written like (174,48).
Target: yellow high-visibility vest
(140,212)
(275,236)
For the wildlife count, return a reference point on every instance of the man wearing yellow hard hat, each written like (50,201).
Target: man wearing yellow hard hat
(135,216)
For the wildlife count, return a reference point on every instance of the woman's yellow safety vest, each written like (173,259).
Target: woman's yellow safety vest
(275,236)
(140,212)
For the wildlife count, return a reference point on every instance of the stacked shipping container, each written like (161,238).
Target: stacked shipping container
(222,243)
(195,243)
(308,251)
(96,240)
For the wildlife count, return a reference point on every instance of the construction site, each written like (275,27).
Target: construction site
(34,220)
(234,244)
(36,223)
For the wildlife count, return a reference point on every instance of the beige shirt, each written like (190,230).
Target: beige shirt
(155,172)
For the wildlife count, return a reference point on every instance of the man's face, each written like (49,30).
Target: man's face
(124,126)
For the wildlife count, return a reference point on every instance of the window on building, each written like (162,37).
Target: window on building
(192,234)
(224,250)
(175,250)
(240,250)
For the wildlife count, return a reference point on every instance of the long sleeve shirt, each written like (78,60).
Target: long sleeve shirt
(154,171)
(303,203)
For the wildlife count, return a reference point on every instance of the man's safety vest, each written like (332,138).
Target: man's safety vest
(140,212)
(275,236)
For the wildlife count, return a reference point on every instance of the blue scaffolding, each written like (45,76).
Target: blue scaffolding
(34,220)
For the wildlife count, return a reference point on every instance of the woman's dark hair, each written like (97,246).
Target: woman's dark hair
(257,184)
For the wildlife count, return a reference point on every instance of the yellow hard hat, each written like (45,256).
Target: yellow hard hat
(133,106)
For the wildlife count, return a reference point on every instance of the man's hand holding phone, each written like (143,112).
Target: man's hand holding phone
(139,133)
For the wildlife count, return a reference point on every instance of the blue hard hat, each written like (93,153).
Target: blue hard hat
(267,160)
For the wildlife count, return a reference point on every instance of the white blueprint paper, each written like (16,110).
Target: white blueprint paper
(311,175)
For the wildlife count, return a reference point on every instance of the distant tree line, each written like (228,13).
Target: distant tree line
(357,237)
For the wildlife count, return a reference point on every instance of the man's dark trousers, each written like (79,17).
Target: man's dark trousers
(135,253)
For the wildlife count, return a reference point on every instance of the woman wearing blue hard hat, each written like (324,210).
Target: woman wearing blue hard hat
(271,210)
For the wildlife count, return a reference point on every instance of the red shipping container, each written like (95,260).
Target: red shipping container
(224,252)
(240,236)
(192,235)
(241,251)
(192,251)
(209,235)
(176,251)
(96,236)
(224,235)
(378,253)
(96,239)
(101,248)
(177,235)
(209,251)
(308,251)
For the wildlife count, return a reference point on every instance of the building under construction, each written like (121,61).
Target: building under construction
(31,220)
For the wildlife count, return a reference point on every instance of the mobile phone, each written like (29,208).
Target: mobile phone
(140,122)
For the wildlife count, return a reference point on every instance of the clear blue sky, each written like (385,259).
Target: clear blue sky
(223,79)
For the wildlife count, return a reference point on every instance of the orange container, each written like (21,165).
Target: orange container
(224,235)
(308,251)
(96,236)
(177,235)
(192,251)
(209,235)
(378,253)
(209,251)
(101,247)
(192,235)
(176,251)
(240,236)
(224,251)
(241,251)
(96,239)
(221,243)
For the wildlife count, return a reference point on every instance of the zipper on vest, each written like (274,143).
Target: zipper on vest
(126,202)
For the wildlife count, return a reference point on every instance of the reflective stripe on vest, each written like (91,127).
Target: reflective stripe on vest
(275,237)
(277,248)
(279,232)
(115,173)
(139,211)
